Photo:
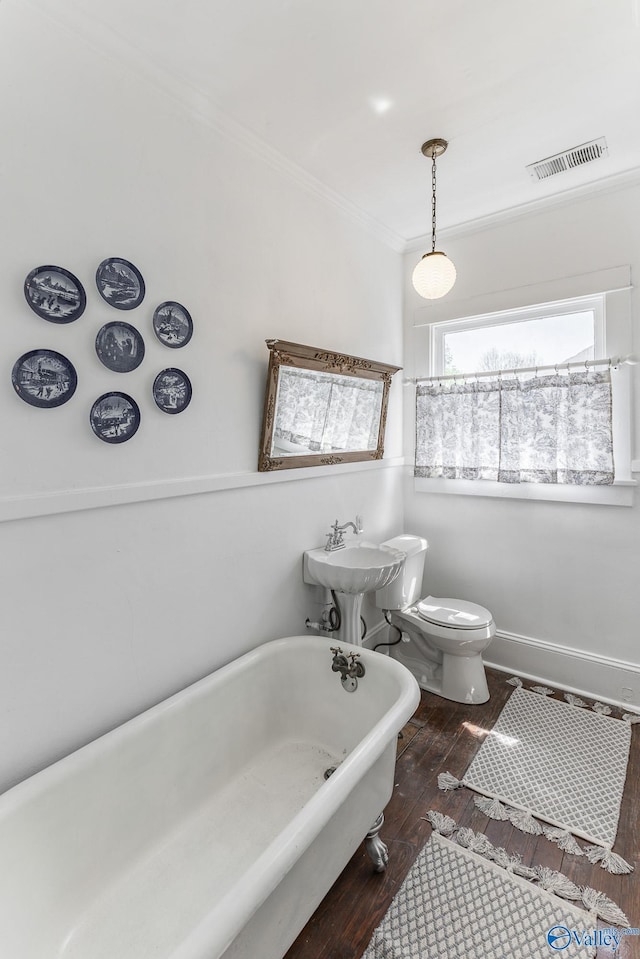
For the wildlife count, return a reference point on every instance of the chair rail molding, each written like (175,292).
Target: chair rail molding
(67,501)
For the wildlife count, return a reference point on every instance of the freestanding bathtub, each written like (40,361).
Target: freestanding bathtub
(204,827)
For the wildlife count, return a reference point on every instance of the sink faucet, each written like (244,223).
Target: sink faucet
(335,539)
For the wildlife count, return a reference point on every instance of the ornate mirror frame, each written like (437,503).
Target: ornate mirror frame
(283,353)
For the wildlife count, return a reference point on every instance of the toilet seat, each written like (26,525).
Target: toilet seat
(454,613)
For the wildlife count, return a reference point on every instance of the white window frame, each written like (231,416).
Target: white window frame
(609,340)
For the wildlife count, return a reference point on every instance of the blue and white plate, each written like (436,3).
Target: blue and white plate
(172,324)
(44,378)
(172,390)
(120,347)
(120,283)
(55,294)
(115,417)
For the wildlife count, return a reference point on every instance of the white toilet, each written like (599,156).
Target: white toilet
(446,636)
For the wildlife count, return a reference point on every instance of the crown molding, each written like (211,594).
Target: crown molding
(610,184)
(202,109)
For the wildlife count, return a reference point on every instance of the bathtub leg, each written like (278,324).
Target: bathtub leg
(375,847)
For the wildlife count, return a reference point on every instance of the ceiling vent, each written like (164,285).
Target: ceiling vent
(568,159)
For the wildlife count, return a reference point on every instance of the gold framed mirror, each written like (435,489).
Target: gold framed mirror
(322,408)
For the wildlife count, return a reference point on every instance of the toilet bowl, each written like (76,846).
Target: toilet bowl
(444,638)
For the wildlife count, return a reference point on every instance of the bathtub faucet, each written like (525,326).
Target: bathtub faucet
(349,667)
(335,539)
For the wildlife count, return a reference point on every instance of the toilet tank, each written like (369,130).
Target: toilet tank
(406,588)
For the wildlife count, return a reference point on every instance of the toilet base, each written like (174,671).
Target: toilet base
(465,682)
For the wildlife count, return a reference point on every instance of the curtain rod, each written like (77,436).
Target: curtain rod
(631,360)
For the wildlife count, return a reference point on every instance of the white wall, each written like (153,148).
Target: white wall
(563,574)
(107,610)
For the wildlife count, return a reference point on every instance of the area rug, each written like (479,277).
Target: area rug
(457,901)
(559,763)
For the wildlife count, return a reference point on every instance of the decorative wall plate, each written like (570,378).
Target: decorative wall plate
(120,347)
(55,294)
(115,417)
(120,283)
(172,324)
(172,390)
(44,378)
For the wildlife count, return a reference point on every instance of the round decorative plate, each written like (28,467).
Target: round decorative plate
(172,324)
(120,283)
(115,417)
(44,378)
(120,347)
(55,294)
(172,391)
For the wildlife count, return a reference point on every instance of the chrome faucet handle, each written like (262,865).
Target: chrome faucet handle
(356,668)
(335,537)
(359,526)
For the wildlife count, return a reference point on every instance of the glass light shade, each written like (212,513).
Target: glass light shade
(434,275)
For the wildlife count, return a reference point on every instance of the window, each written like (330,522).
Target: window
(555,333)
(466,416)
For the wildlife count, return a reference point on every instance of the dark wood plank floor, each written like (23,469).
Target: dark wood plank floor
(445,736)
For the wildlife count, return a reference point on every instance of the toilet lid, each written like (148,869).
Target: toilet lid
(457,613)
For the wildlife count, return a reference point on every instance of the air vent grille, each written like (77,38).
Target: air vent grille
(568,159)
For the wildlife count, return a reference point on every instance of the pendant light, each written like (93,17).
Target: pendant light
(435,274)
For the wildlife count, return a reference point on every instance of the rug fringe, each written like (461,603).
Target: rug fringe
(550,880)
(512,863)
(601,708)
(492,808)
(563,839)
(475,841)
(557,882)
(523,820)
(631,717)
(574,700)
(442,824)
(609,860)
(446,782)
(542,690)
(514,681)
(603,907)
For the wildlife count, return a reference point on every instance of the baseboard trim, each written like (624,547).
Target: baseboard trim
(572,670)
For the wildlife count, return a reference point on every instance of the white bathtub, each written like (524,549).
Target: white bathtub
(204,827)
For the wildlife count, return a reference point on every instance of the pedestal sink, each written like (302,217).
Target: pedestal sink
(350,572)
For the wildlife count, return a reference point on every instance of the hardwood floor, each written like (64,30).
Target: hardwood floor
(445,736)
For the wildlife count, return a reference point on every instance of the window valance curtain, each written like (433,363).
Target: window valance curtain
(527,429)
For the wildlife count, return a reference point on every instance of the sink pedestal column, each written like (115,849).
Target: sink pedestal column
(350,606)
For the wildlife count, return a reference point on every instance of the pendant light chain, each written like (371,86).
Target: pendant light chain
(434,274)
(433,202)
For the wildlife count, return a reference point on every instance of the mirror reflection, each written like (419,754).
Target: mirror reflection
(322,407)
(324,413)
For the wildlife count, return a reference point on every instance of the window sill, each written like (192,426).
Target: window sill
(620,494)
